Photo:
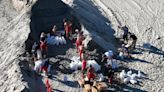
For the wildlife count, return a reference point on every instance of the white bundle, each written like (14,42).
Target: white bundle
(39,54)
(76,63)
(74,58)
(129,73)
(101,77)
(48,38)
(94,64)
(126,80)
(121,55)
(57,40)
(133,76)
(73,66)
(129,77)
(110,62)
(64,41)
(51,40)
(60,41)
(123,74)
(133,81)
(38,65)
(140,75)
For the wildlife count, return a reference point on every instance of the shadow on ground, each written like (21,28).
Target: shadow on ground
(46,14)
(150,48)
(96,24)
(34,81)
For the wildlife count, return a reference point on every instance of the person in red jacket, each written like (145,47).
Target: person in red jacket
(81,51)
(78,43)
(48,86)
(79,39)
(43,48)
(84,64)
(68,28)
(90,73)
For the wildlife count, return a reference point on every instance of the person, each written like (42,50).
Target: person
(125,34)
(43,36)
(105,67)
(124,52)
(90,75)
(109,54)
(38,54)
(103,60)
(68,28)
(84,65)
(81,51)
(53,31)
(43,48)
(45,66)
(48,86)
(79,40)
(134,38)
(110,76)
(64,22)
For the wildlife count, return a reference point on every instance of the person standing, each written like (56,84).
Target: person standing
(45,65)
(84,66)
(68,28)
(134,38)
(125,34)
(44,48)
(109,54)
(53,31)
(91,74)
(43,36)
(79,40)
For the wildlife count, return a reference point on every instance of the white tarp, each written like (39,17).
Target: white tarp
(56,40)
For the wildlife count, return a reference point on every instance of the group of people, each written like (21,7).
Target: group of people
(40,50)
(42,63)
(88,73)
(129,43)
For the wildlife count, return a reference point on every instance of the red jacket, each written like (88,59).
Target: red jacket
(84,64)
(91,75)
(48,86)
(78,42)
(43,46)
(68,28)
